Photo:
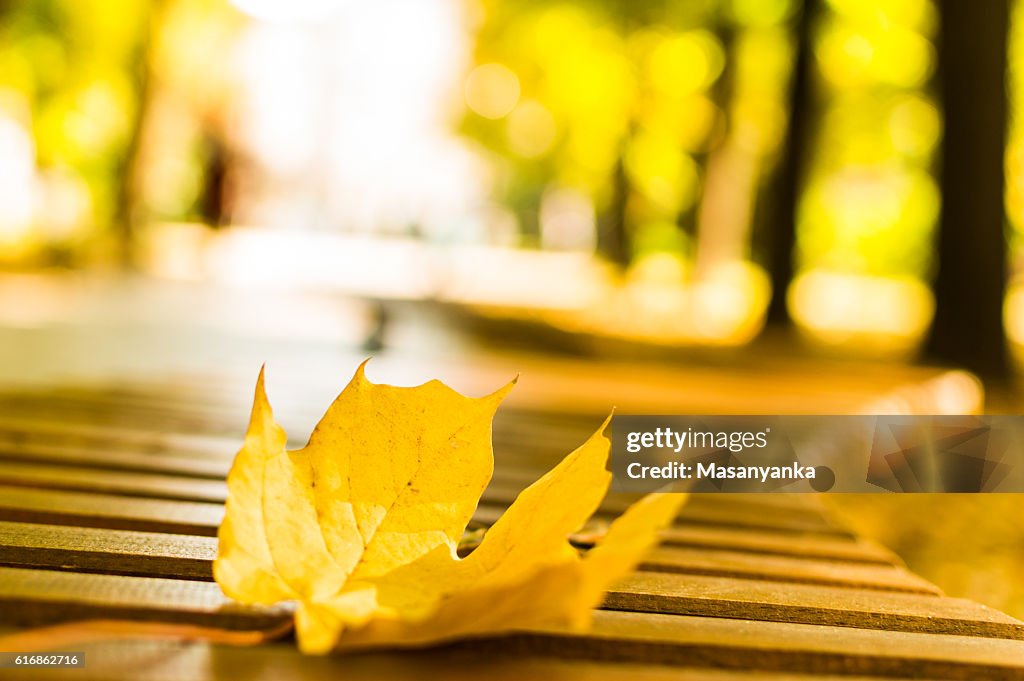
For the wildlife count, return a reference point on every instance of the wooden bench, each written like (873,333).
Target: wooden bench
(110,502)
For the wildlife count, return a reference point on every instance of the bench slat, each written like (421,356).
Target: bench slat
(162,660)
(852,550)
(190,489)
(38,596)
(126,552)
(108,459)
(773,646)
(186,517)
(85,509)
(39,430)
(166,477)
(703,509)
(186,557)
(147,485)
(728,563)
(770,601)
(848,550)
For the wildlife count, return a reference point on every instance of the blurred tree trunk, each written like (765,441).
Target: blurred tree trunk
(968,328)
(612,235)
(786,187)
(127,207)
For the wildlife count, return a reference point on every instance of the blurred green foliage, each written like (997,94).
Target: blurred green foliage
(78,65)
(871,202)
(115,98)
(1015,134)
(623,102)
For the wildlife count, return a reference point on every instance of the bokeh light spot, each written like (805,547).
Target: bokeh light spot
(492,90)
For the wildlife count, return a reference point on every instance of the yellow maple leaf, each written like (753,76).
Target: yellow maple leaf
(361,526)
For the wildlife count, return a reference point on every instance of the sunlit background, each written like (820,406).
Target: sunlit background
(869,204)
(579,169)
(605,166)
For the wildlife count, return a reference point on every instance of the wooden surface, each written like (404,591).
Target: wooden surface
(735,562)
(111,511)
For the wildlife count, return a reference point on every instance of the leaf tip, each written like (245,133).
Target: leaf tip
(262,415)
(499,395)
(359,378)
(260,396)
